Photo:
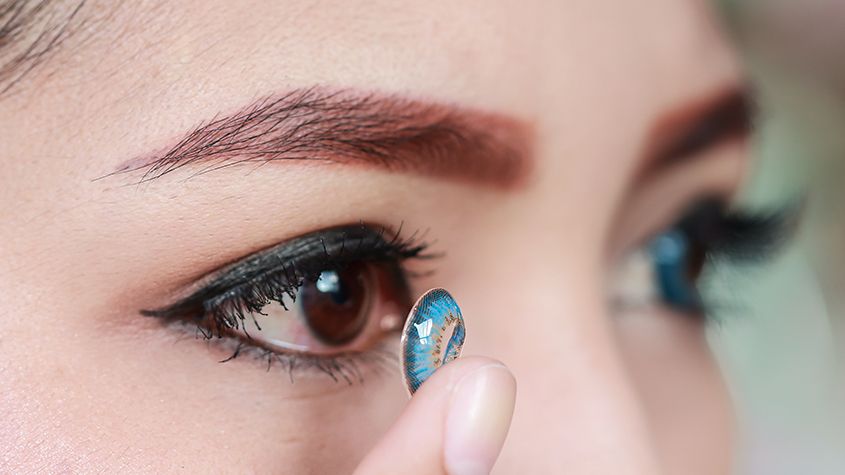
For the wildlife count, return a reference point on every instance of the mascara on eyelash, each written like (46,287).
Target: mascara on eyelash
(433,335)
(243,288)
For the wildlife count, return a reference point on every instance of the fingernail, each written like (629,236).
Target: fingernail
(479,416)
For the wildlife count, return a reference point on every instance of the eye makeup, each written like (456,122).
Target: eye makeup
(333,293)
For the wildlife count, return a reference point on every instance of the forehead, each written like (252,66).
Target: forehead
(146,71)
(480,51)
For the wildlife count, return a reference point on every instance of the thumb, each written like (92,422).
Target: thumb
(455,424)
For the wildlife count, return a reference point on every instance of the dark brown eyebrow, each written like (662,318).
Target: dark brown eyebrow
(699,125)
(388,132)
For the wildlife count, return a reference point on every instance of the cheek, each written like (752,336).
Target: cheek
(159,404)
(681,389)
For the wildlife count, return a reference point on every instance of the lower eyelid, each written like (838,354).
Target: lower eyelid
(346,368)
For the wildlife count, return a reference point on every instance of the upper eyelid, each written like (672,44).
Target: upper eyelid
(339,243)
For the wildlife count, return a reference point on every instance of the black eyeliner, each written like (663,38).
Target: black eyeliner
(244,287)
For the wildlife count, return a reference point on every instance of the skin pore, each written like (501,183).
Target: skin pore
(534,143)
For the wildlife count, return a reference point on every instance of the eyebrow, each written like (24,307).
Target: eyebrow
(698,126)
(388,132)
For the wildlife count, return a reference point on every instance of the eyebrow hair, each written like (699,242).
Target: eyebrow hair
(31,31)
(388,132)
(700,125)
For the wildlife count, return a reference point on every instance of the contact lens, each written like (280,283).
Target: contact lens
(433,336)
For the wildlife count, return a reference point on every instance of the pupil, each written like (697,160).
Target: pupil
(335,306)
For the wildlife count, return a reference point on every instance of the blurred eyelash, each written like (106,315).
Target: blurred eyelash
(240,290)
(739,236)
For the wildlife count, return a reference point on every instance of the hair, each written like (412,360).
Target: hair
(31,31)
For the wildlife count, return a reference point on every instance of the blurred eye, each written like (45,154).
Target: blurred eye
(676,263)
(668,268)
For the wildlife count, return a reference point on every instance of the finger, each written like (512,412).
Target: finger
(455,424)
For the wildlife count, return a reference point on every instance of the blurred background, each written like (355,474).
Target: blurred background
(781,332)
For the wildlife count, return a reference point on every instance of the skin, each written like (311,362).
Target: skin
(90,385)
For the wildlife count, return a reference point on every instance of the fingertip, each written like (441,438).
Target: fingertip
(478,419)
(456,422)
(448,376)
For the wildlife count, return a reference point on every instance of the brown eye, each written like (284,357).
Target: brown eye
(336,307)
(349,309)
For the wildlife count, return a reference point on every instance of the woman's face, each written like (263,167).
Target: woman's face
(536,147)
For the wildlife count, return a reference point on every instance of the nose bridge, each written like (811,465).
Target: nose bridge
(574,403)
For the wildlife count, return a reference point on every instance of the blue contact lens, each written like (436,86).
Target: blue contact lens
(433,336)
(671,253)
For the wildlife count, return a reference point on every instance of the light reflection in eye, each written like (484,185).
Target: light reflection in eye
(328,282)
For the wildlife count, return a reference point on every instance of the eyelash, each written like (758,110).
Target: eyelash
(344,367)
(241,290)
